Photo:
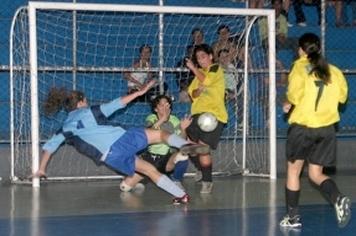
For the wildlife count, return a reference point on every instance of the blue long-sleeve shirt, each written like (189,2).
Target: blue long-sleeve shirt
(88,130)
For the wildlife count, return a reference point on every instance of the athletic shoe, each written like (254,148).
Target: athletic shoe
(179,184)
(139,188)
(343,211)
(206,187)
(180,157)
(302,24)
(194,149)
(181,200)
(291,222)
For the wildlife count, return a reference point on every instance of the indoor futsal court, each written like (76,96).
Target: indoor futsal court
(237,206)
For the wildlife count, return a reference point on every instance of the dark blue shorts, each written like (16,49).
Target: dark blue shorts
(122,153)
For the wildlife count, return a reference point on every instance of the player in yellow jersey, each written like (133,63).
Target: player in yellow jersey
(207,91)
(315,89)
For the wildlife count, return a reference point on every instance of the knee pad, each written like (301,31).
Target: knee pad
(124,187)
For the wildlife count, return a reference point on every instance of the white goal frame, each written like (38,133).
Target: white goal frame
(34,6)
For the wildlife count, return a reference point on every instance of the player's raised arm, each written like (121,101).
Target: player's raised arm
(128,98)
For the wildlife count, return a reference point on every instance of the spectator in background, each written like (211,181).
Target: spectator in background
(339,19)
(285,11)
(299,13)
(197,36)
(343,14)
(282,39)
(255,3)
(137,79)
(224,42)
(230,74)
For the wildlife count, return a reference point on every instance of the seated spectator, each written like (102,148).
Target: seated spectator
(197,37)
(224,42)
(231,75)
(255,3)
(344,16)
(285,11)
(136,80)
(338,5)
(282,39)
(299,13)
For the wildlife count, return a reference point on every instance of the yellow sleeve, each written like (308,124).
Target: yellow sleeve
(343,87)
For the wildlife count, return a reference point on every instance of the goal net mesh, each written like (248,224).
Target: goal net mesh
(91,51)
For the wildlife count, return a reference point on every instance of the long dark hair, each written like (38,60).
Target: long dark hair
(157,99)
(202,47)
(59,98)
(310,43)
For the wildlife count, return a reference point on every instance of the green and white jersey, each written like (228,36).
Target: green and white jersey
(170,126)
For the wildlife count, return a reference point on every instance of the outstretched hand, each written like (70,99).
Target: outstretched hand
(147,87)
(286,107)
(185,122)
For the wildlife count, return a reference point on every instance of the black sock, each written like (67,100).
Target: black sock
(195,161)
(329,188)
(292,200)
(207,175)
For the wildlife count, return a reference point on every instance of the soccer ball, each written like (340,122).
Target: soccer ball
(207,122)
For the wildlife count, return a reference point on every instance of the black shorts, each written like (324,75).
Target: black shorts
(314,145)
(211,138)
(158,161)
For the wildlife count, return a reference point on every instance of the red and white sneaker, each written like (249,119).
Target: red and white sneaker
(181,200)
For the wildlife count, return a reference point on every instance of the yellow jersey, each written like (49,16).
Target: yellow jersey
(212,99)
(315,102)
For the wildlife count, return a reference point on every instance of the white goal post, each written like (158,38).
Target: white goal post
(90,46)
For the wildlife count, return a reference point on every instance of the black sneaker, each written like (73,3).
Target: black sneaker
(181,200)
(343,211)
(194,149)
(291,222)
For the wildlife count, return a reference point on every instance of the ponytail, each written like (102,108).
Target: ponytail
(310,43)
(59,98)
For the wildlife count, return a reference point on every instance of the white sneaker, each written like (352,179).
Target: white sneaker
(302,24)
(206,187)
(139,188)
(343,211)
(198,176)
(291,222)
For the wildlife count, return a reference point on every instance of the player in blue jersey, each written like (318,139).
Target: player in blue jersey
(87,128)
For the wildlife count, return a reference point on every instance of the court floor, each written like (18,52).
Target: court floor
(237,206)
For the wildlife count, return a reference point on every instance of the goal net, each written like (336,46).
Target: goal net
(92,47)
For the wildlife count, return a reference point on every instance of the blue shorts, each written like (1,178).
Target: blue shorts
(122,154)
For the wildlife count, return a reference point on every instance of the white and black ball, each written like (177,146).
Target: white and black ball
(207,122)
